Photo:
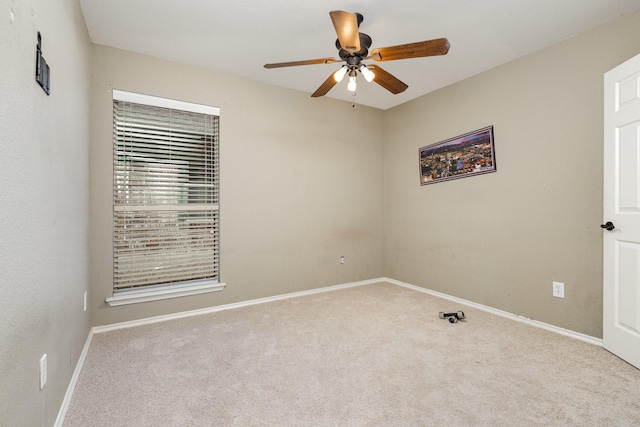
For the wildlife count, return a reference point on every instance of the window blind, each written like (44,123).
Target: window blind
(165,195)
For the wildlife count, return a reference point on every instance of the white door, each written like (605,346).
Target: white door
(621,310)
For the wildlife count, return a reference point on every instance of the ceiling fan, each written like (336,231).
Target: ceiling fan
(353,48)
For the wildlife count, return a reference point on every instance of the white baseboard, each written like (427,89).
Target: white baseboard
(72,384)
(518,318)
(163,318)
(512,316)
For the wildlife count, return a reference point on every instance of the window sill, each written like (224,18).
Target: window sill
(164,292)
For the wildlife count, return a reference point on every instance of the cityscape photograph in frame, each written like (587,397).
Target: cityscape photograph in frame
(459,157)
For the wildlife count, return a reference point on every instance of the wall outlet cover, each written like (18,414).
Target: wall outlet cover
(43,371)
(558,289)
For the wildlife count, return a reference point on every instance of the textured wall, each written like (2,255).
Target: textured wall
(44,170)
(500,239)
(301,184)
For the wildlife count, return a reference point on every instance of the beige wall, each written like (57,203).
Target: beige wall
(44,170)
(296,194)
(301,184)
(501,239)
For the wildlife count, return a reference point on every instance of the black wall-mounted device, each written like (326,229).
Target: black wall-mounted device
(43,72)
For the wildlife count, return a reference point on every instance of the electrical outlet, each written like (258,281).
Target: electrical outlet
(43,371)
(85,300)
(558,289)
(341,260)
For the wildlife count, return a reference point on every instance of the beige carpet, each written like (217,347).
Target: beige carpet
(374,355)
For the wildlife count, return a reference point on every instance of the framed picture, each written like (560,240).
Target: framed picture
(466,155)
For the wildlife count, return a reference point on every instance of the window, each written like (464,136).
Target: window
(165,198)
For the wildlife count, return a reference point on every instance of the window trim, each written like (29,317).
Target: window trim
(161,292)
(170,290)
(154,101)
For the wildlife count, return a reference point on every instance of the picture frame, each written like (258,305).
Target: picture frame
(462,156)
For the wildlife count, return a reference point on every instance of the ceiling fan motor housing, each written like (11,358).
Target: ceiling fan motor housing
(365,44)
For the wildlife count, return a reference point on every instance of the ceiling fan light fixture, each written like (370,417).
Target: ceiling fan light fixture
(367,73)
(339,75)
(351,87)
(353,47)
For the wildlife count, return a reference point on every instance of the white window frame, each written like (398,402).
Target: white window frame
(172,290)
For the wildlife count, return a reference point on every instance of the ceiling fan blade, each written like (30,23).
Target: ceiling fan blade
(325,87)
(346,25)
(412,50)
(387,80)
(296,63)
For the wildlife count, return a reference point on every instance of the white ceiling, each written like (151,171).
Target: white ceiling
(240,36)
